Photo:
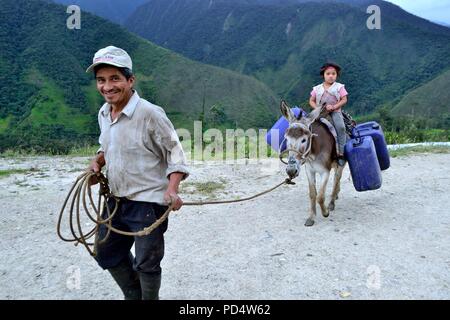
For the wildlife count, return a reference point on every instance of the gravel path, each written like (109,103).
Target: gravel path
(385,244)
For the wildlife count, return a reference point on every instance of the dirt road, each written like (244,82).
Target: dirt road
(385,244)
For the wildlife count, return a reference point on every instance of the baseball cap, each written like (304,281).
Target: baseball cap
(113,56)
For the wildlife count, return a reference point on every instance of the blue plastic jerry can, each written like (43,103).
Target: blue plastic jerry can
(275,136)
(363,162)
(373,129)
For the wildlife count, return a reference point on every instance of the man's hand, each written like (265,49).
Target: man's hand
(171,197)
(96,166)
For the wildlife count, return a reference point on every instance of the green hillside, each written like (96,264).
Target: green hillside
(284,45)
(48,102)
(429,101)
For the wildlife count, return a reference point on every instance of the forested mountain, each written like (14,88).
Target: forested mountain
(115,10)
(284,43)
(47,100)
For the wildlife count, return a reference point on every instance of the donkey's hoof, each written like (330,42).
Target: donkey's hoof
(331,207)
(326,213)
(309,223)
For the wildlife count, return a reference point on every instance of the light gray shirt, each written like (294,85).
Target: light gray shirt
(141,150)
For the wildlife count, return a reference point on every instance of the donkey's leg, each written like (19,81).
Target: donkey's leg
(336,187)
(312,195)
(325,176)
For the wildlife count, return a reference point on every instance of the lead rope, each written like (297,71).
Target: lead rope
(82,187)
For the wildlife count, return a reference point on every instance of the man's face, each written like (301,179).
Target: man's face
(330,75)
(113,85)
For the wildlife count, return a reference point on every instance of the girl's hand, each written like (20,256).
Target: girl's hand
(330,107)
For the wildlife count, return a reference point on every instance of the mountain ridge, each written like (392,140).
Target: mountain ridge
(380,66)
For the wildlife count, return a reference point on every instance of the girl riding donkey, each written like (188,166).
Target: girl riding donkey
(333,96)
(311,143)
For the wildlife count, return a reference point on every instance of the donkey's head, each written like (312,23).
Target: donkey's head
(298,137)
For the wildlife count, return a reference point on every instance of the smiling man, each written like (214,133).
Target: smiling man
(144,164)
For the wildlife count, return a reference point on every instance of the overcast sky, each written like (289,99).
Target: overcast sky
(434,10)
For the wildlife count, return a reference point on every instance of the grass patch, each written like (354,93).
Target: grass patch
(205,188)
(7,173)
(208,187)
(83,151)
(77,151)
(417,136)
(408,151)
(15,153)
(244,148)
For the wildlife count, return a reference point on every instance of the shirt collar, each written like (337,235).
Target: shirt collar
(129,108)
(333,85)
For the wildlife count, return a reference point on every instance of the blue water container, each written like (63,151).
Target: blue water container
(275,135)
(363,162)
(373,129)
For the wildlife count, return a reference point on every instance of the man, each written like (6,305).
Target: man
(144,164)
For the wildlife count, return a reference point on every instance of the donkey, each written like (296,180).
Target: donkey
(310,142)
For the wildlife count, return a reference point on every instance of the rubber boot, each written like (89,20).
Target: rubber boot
(127,279)
(150,284)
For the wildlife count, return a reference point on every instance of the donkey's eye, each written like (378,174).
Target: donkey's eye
(303,140)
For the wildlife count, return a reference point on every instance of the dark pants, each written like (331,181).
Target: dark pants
(133,216)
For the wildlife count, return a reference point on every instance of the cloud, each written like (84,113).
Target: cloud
(434,10)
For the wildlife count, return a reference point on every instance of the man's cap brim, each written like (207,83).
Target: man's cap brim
(92,66)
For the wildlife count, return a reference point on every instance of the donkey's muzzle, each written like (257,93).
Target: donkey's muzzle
(292,168)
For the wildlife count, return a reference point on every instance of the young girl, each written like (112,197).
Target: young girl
(333,96)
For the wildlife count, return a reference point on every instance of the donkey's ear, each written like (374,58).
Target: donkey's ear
(314,115)
(300,115)
(286,111)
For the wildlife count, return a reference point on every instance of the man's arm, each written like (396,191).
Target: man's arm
(167,140)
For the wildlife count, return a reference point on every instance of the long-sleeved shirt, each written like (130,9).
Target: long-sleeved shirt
(141,150)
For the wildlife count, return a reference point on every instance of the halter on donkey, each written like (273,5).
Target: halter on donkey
(310,142)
